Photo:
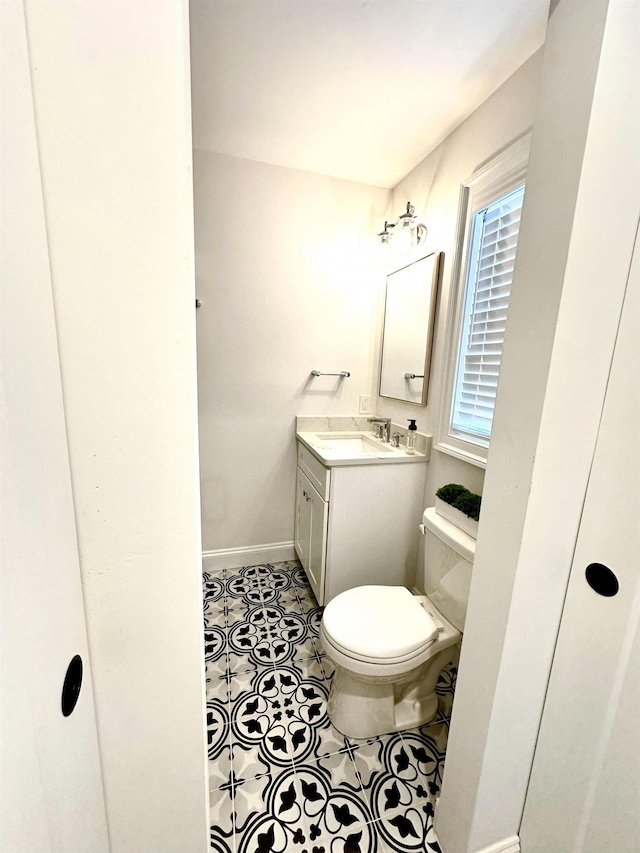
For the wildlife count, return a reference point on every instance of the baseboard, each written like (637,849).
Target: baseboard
(232,558)
(507,845)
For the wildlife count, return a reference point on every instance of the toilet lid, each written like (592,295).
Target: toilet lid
(378,622)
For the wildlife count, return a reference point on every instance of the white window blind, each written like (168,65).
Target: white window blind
(491,258)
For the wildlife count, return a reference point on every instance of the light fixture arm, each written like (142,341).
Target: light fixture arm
(385,234)
(408,227)
(409,215)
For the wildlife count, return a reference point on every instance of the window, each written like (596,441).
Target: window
(493,239)
(490,209)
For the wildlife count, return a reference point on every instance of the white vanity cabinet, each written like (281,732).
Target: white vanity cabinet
(356,524)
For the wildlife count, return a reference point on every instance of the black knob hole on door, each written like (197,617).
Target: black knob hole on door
(72,685)
(601,579)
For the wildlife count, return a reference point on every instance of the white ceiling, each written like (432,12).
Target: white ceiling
(357,89)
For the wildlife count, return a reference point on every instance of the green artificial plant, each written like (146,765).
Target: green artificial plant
(461,498)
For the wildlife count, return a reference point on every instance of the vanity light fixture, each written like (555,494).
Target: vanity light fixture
(409,235)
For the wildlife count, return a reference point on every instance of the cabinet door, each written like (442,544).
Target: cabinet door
(51,783)
(311,533)
(302,537)
(584,789)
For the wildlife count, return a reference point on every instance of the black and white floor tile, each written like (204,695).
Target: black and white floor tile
(281,778)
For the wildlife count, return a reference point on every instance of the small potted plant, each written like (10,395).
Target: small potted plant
(459,506)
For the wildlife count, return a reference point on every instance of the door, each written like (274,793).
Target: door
(311,533)
(51,793)
(584,791)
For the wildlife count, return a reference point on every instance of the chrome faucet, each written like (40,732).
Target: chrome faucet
(386,427)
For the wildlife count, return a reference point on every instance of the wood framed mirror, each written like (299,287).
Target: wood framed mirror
(407,334)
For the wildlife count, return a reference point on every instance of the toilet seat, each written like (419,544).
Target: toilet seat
(407,661)
(379,624)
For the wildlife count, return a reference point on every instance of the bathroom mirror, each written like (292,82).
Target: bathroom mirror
(408,330)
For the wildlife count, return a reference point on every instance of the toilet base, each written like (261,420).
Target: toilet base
(362,707)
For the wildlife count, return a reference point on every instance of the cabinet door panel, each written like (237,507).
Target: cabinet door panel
(317,543)
(311,533)
(302,537)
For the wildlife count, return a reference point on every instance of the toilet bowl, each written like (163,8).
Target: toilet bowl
(389,645)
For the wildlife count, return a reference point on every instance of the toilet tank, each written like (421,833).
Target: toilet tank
(448,557)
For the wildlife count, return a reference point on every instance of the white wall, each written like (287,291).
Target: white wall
(568,285)
(285,267)
(112,112)
(434,188)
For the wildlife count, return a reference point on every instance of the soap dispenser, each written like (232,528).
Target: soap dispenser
(411,437)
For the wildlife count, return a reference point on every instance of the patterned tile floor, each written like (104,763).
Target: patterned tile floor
(281,778)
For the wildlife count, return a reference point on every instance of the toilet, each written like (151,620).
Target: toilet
(389,645)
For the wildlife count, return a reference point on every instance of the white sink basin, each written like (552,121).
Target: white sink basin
(353,448)
(350,444)
(339,444)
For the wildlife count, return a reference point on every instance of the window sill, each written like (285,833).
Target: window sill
(473,455)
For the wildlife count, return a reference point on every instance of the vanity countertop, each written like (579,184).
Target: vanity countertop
(335,441)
